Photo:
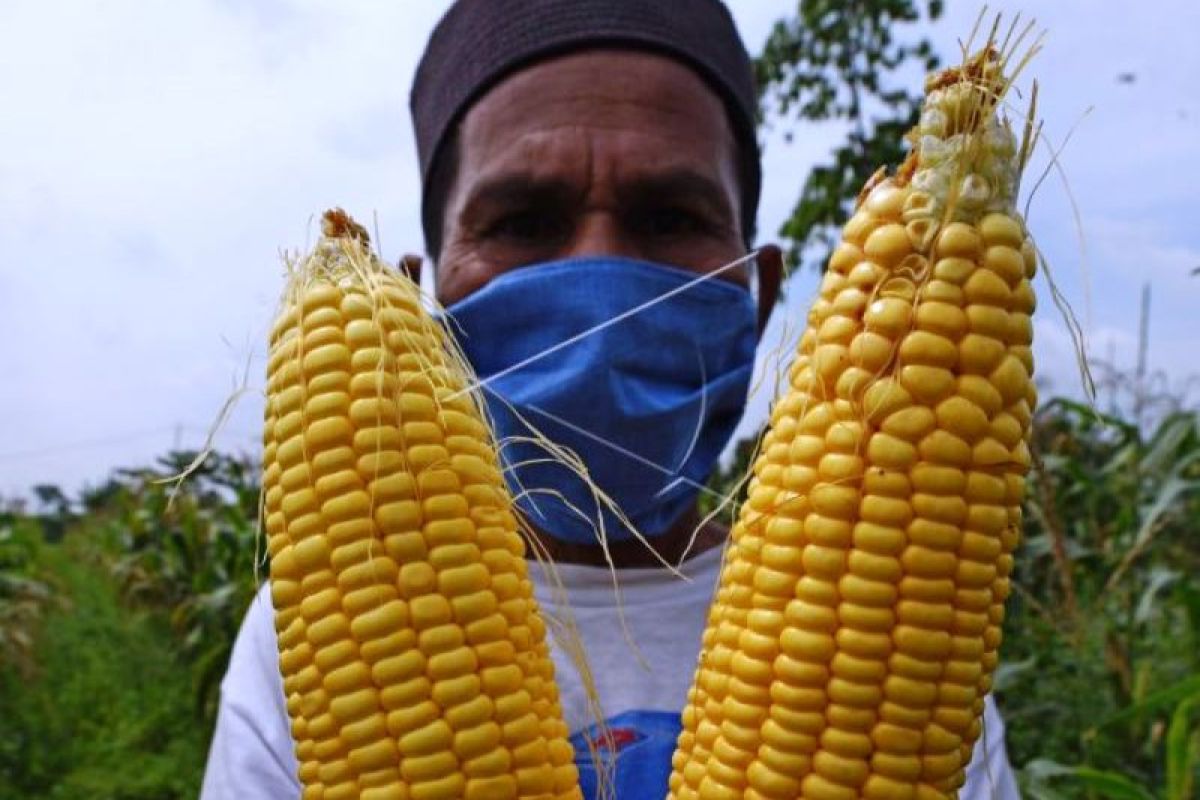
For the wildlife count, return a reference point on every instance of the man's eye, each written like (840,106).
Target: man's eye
(528,226)
(672,222)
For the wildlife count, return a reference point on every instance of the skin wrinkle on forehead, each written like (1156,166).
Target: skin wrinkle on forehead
(539,158)
(562,131)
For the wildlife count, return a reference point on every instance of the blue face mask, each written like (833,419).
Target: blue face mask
(647,401)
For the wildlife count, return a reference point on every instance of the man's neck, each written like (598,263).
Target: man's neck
(670,546)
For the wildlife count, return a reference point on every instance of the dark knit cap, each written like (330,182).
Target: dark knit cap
(479,42)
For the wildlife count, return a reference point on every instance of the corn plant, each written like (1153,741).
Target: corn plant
(188,548)
(1101,685)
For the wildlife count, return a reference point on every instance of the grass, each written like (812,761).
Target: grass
(106,714)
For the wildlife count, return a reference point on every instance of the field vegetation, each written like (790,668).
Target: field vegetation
(119,607)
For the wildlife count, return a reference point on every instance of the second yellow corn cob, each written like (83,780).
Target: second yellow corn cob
(855,627)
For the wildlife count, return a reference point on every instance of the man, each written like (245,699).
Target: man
(591,178)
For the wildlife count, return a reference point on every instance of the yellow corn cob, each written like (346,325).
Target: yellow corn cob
(414,661)
(856,623)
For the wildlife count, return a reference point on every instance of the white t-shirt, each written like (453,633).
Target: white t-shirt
(251,757)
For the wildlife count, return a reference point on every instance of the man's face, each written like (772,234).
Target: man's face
(599,153)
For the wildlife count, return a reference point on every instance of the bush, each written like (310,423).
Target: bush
(108,713)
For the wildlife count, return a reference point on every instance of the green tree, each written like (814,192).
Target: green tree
(832,62)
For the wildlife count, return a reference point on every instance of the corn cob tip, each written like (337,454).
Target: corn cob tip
(981,70)
(337,224)
(965,160)
(341,256)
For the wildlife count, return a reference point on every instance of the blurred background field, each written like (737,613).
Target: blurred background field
(148,186)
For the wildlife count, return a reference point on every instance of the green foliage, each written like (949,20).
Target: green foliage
(188,548)
(23,594)
(1181,755)
(831,63)
(115,698)
(1107,608)
(107,713)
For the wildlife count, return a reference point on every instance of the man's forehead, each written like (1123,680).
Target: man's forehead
(633,100)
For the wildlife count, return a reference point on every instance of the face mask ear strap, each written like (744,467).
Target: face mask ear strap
(755,281)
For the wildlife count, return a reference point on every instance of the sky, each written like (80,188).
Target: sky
(155,158)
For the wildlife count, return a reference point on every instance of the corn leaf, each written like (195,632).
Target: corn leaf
(1110,785)
(1155,700)
(1181,751)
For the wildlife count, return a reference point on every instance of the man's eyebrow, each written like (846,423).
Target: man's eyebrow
(512,188)
(675,184)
